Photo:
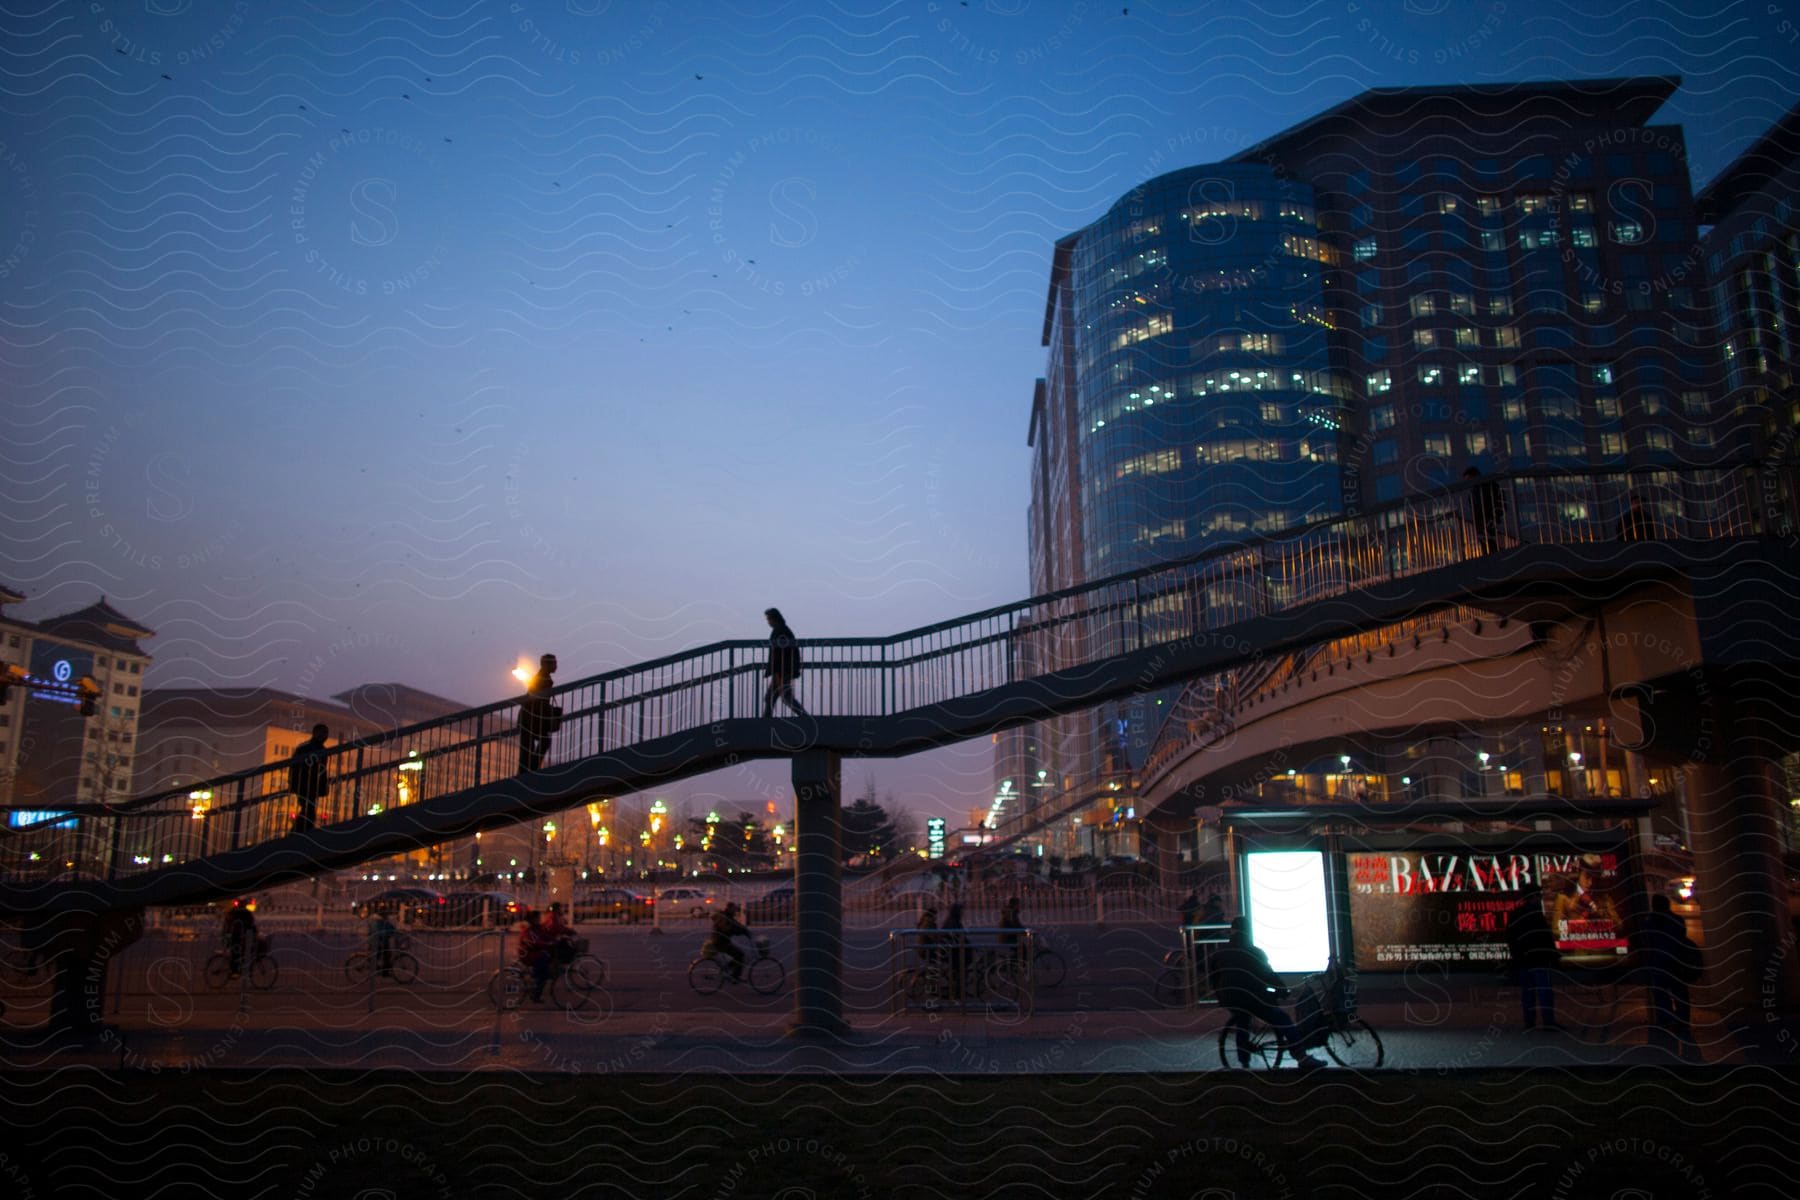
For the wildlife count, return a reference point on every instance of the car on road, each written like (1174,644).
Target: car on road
(481,909)
(621,904)
(778,905)
(409,905)
(695,902)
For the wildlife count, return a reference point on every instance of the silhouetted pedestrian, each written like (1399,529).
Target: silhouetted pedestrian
(538,717)
(1671,964)
(308,778)
(1190,909)
(784,664)
(1487,505)
(958,946)
(1532,948)
(1214,911)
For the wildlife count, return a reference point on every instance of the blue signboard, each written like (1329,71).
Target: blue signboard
(60,667)
(20,817)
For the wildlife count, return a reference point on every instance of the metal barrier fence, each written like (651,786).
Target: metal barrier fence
(887,676)
(985,970)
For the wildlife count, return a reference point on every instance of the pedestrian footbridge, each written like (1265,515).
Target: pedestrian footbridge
(1558,542)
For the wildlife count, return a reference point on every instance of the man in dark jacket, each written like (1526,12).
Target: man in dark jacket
(725,926)
(308,778)
(538,717)
(1533,951)
(1671,963)
(784,664)
(1246,987)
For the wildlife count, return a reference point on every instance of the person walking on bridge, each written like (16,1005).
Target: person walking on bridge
(309,779)
(784,664)
(538,718)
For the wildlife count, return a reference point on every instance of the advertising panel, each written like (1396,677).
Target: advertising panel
(1451,906)
(61,666)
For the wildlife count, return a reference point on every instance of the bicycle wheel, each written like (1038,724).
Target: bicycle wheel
(1259,1049)
(587,972)
(705,975)
(404,968)
(582,1004)
(1355,1045)
(1171,987)
(506,990)
(218,972)
(263,971)
(1049,968)
(356,968)
(766,974)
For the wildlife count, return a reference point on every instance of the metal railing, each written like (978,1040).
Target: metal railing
(882,677)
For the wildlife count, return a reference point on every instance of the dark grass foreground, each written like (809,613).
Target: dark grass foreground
(1694,1133)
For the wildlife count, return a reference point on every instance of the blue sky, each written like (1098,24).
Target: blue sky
(428,336)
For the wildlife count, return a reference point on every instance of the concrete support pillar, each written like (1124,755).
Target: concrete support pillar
(80,948)
(1735,814)
(818,897)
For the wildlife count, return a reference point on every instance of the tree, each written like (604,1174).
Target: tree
(871,831)
(742,844)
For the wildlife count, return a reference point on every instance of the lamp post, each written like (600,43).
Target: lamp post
(658,811)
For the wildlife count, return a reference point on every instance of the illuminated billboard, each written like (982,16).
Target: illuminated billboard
(1285,890)
(1451,907)
(52,664)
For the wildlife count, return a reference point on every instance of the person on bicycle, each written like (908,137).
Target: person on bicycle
(561,933)
(725,926)
(239,931)
(381,942)
(1247,987)
(534,952)
(1013,943)
(956,948)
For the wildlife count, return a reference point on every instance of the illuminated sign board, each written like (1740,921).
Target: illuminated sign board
(1451,907)
(934,836)
(61,667)
(21,817)
(1285,890)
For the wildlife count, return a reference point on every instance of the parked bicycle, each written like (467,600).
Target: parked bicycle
(995,984)
(707,974)
(401,966)
(1325,1016)
(262,969)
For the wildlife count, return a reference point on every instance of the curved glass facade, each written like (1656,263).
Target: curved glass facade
(1204,400)
(1205,408)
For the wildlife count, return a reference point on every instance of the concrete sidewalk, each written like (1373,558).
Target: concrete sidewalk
(677,1042)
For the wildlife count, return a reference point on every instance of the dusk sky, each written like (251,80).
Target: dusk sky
(362,342)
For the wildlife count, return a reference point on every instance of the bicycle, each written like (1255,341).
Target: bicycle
(511,985)
(995,983)
(401,968)
(765,973)
(262,972)
(1332,1024)
(1047,967)
(21,966)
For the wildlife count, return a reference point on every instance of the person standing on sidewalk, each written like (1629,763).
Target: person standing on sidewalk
(1532,948)
(1671,963)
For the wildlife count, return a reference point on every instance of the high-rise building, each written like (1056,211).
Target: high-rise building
(50,753)
(1357,309)
(1752,257)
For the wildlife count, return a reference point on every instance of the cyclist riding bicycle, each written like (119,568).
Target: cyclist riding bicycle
(561,933)
(535,944)
(381,943)
(1012,941)
(726,926)
(1247,987)
(239,931)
